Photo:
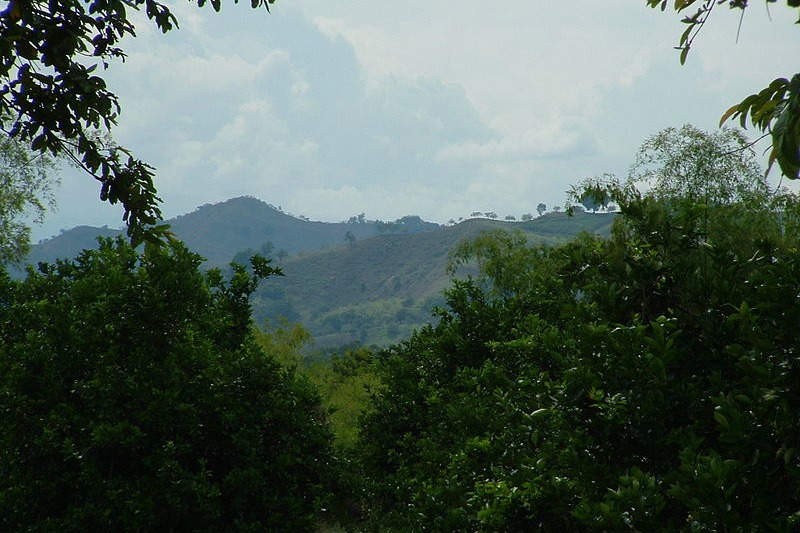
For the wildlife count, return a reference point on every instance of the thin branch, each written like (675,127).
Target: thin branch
(739,29)
(746,146)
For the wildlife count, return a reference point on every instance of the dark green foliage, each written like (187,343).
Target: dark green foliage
(648,382)
(135,398)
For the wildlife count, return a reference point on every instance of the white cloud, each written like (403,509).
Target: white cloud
(423,107)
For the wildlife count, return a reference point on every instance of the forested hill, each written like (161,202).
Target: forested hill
(377,290)
(219,231)
(361,281)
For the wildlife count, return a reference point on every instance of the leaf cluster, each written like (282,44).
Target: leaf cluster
(775,110)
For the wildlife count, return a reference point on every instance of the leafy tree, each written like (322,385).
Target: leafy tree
(716,171)
(511,218)
(54,98)
(541,208)
(645,382)
(775,109)
(26,190)
(717,167)
(592,203)
(135,398)
(526,217)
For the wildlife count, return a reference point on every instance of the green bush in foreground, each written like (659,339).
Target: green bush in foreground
(133,397)
(648,382)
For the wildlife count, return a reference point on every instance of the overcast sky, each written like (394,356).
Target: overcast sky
(435,108)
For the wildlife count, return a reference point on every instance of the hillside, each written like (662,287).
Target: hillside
(218,231)
(376,291)
(359,281)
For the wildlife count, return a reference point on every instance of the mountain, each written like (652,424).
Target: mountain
(369,282)
(378,290)
(219,231)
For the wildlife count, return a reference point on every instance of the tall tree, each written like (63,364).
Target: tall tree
(54,98)
(775,109)
(26,191)
(645,382)
(136,398)
(718,167)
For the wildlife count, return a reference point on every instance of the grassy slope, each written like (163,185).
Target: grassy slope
(375,290)
(378,290)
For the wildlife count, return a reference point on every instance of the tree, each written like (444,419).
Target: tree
(527,217)
(646,382)
(54,99)
(643,382)
(775,109)
(135,398)
(266,250)
(26,190)
(591,202)
(541,208)
(717,167)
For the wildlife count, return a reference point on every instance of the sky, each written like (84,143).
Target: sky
(431,108)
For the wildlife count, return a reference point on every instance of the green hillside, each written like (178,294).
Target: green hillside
(376,291)
(362,281)
(219,231)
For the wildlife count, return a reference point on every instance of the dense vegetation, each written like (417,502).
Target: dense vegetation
(646,382)
(135,397)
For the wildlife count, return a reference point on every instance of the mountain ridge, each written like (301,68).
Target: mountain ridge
(218,231)
(360,281)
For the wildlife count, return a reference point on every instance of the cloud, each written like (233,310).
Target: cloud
(422,107)
(296,121)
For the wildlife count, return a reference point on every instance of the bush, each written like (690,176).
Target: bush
(134,398)
(648,382)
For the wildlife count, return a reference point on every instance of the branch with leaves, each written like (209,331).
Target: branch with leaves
(775,110)
(53,99)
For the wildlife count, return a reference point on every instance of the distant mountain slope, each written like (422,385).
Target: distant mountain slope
(376,291)
(68,244)
(218,231)
(359,281)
